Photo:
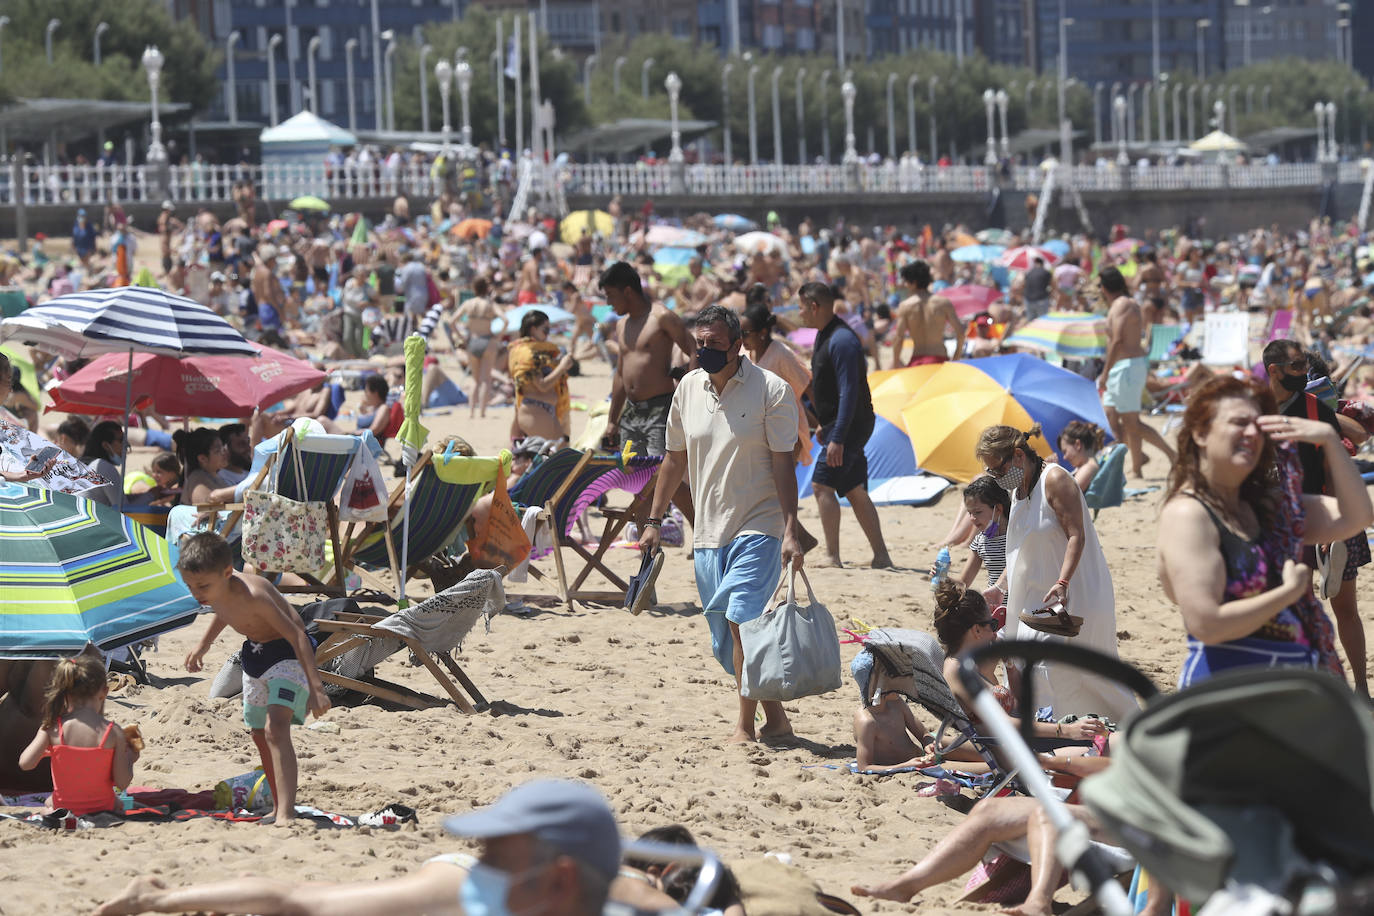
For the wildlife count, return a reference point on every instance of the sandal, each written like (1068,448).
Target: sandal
(1330,569)
(1054,620)
(640,594)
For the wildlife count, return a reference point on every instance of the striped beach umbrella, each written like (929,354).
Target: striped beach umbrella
(1075,335)
(73,571)
(125,319)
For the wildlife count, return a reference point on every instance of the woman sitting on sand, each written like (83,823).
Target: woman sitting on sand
(540,370)
(1081,444)
(1233,526)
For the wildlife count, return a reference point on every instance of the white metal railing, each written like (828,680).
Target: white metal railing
(93,184)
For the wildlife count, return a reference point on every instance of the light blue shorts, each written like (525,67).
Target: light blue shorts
(1126,383)
(735,583)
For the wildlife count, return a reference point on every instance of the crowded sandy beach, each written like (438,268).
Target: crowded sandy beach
(1170,574)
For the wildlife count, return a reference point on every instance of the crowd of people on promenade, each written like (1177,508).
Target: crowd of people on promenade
(734,364)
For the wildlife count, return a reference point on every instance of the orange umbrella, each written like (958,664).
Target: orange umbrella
(472,228)
(961,239)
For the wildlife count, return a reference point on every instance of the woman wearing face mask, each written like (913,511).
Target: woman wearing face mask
(1056,581)
(540,370)
(104,448)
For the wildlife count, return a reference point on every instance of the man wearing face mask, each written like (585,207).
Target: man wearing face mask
(1285,367)
(549,847)
(731,429)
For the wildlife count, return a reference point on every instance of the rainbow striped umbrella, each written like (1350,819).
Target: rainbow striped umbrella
(1075,335)
(73,571)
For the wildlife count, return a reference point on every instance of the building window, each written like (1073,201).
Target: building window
(772,36)
(328,98)
(326,35)
(806,39)
(615,21)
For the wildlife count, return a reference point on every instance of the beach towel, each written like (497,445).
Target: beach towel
(531,359)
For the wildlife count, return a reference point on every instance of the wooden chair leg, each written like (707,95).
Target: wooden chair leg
(449,687)
(462,677)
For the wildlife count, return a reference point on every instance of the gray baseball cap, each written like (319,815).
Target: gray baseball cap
(570,817)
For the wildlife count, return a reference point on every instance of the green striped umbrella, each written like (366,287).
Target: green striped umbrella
(73,571)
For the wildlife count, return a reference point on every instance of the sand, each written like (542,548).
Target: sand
(634,705)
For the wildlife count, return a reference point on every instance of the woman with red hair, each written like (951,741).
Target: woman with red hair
(1233,526)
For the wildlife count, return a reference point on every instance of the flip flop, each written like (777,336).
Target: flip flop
(1330,569)
(1054,620)
(640,594)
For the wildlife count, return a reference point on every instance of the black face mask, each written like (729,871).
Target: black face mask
(1293,383)
(712,360)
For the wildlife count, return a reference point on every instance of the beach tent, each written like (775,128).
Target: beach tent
(1218,141)
(300,143)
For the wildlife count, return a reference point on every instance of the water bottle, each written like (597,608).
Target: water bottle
(941,567)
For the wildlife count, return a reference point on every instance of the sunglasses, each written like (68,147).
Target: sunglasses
(1001,468)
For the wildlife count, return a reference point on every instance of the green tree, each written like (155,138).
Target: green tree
(187,76)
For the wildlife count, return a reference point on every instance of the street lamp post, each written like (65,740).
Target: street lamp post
(500,73)
(1154,40)
(1250,99)
(1001,98)
(911,82)
(1192,131)
(378,81)
(1333,152)
(425,51)
(350,47)
(4,21)
(1342,13)
(934,130)
(892,116)
(100,29)
(847,92)
(1219,114)
(615,74)
(1065,151)
(1264,99)
(1234,109)
(463,74)
(47,37)
(777,117)
(989,100)
(753,125)
(674,86)
(1245,30)
(1145,112)
(156,157)
(443,75)
(1130,111)
(1097,112)
(959,33)
(587,79)
(1319,110)
(725,111)
(232,106)
(1206,106)
(388,68)
(311,49)
(1202,26)
(801,119)
(1178,92)
(644,76)
(272,78)
(1030,87)
(1119,129)
(1161,97)
(825,116)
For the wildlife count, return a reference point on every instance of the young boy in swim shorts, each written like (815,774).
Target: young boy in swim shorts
(280,680)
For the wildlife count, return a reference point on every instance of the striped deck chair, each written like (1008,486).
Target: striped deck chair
(637,478)
(325,461)
(154,518)
(444,489)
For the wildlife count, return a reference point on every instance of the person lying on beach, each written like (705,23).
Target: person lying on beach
(280,679)
(677,881)
(549,847)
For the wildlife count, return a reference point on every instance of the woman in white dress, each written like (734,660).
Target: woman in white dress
(1054,558)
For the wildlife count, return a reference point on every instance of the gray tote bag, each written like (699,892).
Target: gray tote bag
(791,651)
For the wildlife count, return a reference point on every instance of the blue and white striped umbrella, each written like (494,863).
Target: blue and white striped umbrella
(128,318)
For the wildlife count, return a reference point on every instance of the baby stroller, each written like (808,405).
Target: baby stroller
(1203,789)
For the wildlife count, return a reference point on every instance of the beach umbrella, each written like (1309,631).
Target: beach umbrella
(1023,257)
(1123,247)
(662,236)
(1059,247)
(1218,141)
(751,242)
(412,435)
(1073,335)
(204,386)
(995,236)
(509,323)
(360,230)
(970,299)
(673,257)
(734,222)
(276,225)
(893,389)
(310,202)
(950,411)
(73,571)
(963,240)
(593,222)
(977,254)
(129,319)
(887,450)
(472,228)
(18,447)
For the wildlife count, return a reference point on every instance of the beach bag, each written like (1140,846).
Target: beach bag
(790,651)
(363,497)
(502,540)
(281,534)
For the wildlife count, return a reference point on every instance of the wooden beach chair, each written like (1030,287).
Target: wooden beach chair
(444,490)
(1226,339)
(356,642)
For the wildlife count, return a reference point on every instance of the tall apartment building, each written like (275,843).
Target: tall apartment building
(898,26)
(779,26)
(1001,32)
(1114,41)
(1264,29)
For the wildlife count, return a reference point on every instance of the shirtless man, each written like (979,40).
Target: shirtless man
(528,285)
(942,266)
(701,291)
(268,291)
(1125,370)
(482,346)
(924,317)
(643,384)
(167,224)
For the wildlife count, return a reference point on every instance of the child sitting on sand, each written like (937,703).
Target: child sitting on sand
(887,735)
(160,485)
(90,754)
(280,679)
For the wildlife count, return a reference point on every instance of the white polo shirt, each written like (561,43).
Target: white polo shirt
(730,440)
